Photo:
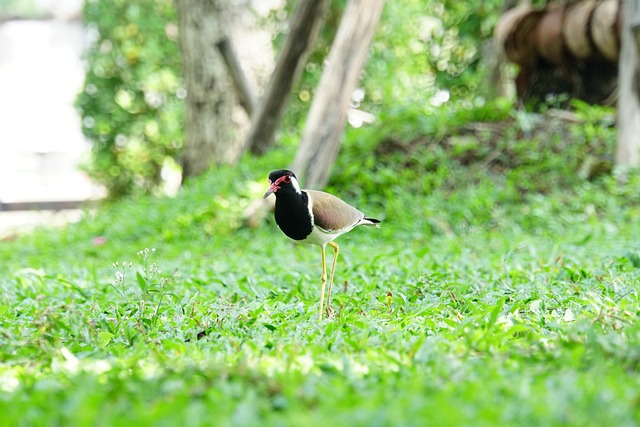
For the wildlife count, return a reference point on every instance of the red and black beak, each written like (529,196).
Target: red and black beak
(273,187)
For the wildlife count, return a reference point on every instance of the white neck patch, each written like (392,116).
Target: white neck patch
(296,186)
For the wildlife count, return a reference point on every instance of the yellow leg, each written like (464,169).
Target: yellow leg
(323,278)
(336,249)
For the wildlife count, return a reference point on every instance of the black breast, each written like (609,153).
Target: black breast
(292,215)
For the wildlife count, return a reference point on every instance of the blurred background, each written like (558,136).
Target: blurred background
(41,141)
(96,102)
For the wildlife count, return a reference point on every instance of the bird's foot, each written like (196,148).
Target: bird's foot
(330,312)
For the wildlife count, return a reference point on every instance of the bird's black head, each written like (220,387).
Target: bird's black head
(284,181)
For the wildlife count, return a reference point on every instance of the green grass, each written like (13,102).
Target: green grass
(490,296)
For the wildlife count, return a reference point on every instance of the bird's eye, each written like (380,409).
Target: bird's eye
(287,179)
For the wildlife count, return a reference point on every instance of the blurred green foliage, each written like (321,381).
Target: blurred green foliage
(535,152)
(426,57)
(132,104)
(423,47)
(21,8)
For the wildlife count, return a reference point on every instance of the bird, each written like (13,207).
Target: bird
(313,217)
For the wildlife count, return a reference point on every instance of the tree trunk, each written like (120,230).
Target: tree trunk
(243,87)
(321,138)
(628,147)
(212,134)
(499,83)
(304,28)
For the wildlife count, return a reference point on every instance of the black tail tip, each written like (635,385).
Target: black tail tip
(373,220)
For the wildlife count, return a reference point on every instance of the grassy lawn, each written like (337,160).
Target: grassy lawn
(490,296)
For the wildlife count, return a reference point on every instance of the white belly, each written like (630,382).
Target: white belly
(321,238)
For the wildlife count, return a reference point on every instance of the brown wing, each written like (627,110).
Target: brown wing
(332,214)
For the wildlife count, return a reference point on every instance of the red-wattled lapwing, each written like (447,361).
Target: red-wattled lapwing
(313,217)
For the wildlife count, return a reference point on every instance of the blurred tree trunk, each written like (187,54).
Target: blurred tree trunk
(628,147)
(211,134)
(304,28)
(499,83)
(321,138)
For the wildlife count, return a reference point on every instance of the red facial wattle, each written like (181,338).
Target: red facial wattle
(274,186)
